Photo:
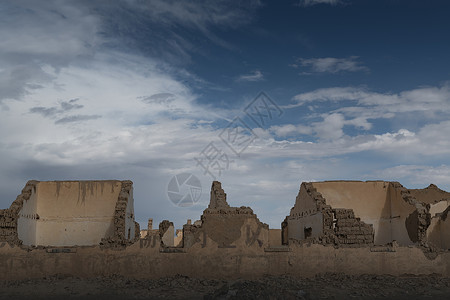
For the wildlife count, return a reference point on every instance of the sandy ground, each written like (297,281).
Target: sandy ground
(328,286)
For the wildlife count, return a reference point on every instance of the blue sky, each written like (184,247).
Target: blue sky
(138,89)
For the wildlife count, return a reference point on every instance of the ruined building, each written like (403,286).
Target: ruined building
(228,227)
(356,213)
(68,213)
(87,228)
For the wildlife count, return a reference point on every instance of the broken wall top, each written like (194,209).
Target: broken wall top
(432,194)
(218,203)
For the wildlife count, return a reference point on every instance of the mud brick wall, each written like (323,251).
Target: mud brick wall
(351,230)
(8,226)
(340,226)
(119,240)
(10,216)
(422,217)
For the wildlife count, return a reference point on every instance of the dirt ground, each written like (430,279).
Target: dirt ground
(327,286)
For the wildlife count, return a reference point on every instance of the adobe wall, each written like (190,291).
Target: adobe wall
(73,212)
(27,219)
(222,226)
(305,214)
(275,238)
(231,242)
(375,202)
(145,259)
(369,201)
(69,213)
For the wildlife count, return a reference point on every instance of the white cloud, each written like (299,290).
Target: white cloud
(253,76)
(86,112)
(419,175)
(290,129)
(331,127)
(419,99)
(330,65)
(72,108)
(360,107)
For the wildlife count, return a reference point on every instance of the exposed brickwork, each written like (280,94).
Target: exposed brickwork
(10,216)
(119,240)
(351,230)
(340,226)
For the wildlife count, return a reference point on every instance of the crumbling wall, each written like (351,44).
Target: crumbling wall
(124,225)
(69,213)
(418,218)
(306,218)
(178,242)
(438,233)
(166,233)
(312,218)
(10,218)
(368,200)
(431,195)
(438,204)
(356,212)
(223,226)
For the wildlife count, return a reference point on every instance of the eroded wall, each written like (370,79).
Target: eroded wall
(368,200)
(225,227)
(27,221)
(74,212)
(130,225)
(438,234)
(71,213)
(231,242)
(305,219)
(375,202)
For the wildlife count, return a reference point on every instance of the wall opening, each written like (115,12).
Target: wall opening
(308,232)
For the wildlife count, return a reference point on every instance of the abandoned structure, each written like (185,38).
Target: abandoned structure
(87,228)
(69,213)
(360,213)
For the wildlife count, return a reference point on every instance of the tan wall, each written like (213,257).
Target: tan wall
(430,194)
(304,204)
(439,207)
(72,213)
(144,260)
(168,238)
(235,231)
(304,215)
(178,238)
(438,234)
(26,224)
(400,210)
(274,237)
(297,226)
(129,217)
(375,202)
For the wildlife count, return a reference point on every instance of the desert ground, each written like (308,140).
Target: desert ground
(326,286)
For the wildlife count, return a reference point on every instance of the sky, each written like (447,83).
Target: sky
(260,95)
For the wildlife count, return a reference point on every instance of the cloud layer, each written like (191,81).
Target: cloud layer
(330,65)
